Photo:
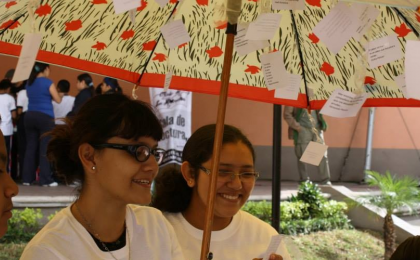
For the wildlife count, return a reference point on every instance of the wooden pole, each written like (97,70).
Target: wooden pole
(217,146)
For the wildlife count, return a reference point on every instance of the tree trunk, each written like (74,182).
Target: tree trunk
(389,236)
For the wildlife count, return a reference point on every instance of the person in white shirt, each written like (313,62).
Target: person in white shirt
(110,146)
(182,196)
(62,109)
(22,107)
(7,115)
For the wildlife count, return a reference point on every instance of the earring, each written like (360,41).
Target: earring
(94,167)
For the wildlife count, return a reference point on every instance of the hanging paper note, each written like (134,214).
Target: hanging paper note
(383,51)
(288,5)
(264,27)
(367,15)
(272,247)
(121,6)
(400,80)
(412,65)
(336,29)
(291,90)
(343,104)
(175,33)
(275,73)
(27,56)
(314,153)
(244,46)
(162,3)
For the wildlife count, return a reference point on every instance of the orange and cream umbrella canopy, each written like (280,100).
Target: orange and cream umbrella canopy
(89,36)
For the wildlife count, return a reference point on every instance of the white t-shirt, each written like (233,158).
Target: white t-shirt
(22,100)
(61,110)
(151,237)
(246,237)
(7,104)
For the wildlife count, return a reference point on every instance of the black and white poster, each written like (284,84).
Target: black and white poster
(173,108)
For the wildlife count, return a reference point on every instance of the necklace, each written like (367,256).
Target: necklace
(97,235)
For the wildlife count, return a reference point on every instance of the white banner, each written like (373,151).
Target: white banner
(173,108)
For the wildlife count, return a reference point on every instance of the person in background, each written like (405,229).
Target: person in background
(62,109)
(98,89)
(110,146)
(7,116)
(22,107)
(182,196)
(8,189)
(110,86)
(85,86)
(304,127)
(39,119)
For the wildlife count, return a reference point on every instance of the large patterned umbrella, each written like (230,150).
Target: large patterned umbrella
(87,35)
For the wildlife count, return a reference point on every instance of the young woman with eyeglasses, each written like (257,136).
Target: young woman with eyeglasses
(183,197)
(110,146)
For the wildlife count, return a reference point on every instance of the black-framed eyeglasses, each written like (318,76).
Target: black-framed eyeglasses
(139,151)
(226,176)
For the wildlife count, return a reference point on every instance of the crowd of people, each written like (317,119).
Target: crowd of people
(32,108)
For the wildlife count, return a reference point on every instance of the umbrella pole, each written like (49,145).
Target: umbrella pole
(276,177)
(217,146)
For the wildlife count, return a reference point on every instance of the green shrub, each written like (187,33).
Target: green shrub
(308,212)
(261,210)
(310,193)
(294,210)
(22,226)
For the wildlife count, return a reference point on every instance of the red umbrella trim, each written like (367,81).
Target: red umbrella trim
(98,2)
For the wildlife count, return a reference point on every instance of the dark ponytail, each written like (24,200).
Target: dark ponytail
(172,194)
(85,77)
(36,70)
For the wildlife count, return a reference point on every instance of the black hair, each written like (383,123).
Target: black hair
(9,74)
(115,87)
(100,118)
(63,86)
(171,193)
(409,249)
(85,77)
(38,68)
(5,84)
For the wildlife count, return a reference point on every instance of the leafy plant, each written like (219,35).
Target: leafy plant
(395,193)
(22,226)
(310,193)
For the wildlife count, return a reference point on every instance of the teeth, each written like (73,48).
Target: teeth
(230,197)
(142,181)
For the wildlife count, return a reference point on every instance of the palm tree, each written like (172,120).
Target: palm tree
(395,193)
